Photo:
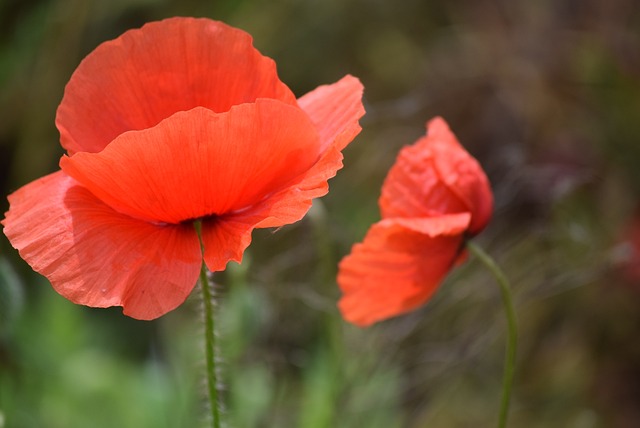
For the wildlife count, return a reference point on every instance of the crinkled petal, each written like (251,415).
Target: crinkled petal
(97,257)
(148,74)
(226,237)
(462,173)
(199,163)
(413,187)
(437,176)
(398,266)
(335,110)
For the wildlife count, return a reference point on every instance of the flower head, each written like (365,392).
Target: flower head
(626,254)
(434,196)
(180,120)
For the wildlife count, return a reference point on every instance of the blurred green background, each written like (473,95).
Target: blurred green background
(545,94)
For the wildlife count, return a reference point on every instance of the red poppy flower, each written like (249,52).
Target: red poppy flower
(178,121)
(627,253)
(434,196)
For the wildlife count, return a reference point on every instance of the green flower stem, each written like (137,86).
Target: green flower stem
(210,339)
(512,339)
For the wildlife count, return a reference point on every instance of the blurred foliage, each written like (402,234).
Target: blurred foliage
(545,94)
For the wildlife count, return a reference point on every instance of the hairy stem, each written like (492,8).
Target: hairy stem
(210,340)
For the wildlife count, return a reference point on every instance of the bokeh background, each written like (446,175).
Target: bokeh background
(545,94)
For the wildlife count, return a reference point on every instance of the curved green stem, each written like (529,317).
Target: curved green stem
(512,339)
(210,340)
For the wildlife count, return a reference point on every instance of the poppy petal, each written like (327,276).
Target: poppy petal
(148,74)
(398,266)
(462,173)
(225,238)
(437,176)
(97,257)
(199,163)
(279,209)
(413,187)
(335,110)
(291,204)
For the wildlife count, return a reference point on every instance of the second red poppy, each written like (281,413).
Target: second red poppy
(435,196)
